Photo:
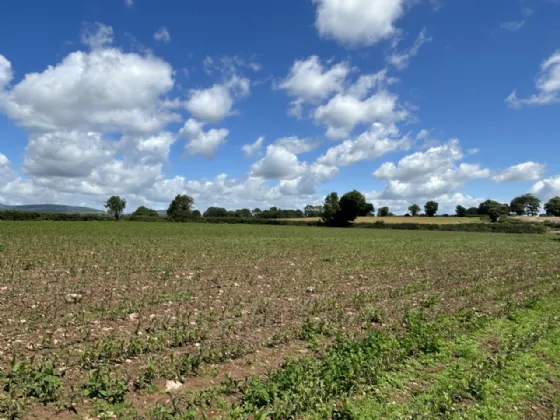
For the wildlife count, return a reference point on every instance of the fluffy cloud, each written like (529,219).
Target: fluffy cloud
(278,163)
(296,145)
(296,179)
(527,171)
(104,90)
(162,35)
(146,149)
(377,141)
(6,74)
(251,149)
(5,169)
(401,60)
(547,188)
(347,104)
(428,174)
(306,183)
(65,154)
(215,103)
(548,85)
(358,22)
(345,111)
(204,143)
(309,81)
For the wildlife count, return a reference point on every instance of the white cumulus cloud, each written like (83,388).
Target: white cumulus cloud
(104,90)
(428,174)
(66,154)
(202,142)
(527,171)
(278,163)
(358,22)
(547,188)
(373,143)
(213,104)
(308,80)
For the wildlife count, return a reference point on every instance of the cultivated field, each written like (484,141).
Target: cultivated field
(160,321)
(400,219)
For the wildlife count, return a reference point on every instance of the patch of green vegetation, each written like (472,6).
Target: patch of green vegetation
(493,372)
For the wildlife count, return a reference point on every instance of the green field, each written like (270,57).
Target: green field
(97,318)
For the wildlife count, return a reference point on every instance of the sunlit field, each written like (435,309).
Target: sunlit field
(162,320)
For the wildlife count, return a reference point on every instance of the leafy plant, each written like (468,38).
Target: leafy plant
(102,386)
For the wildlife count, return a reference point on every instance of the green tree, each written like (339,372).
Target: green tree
(461,211)
(472,211)
(215,212)
(431,208)
(115,206)
(180,209)
(552,207)
(493,209)
(145,212)
(256,212)
(351,205)
(526,204)
(383,211)
(244,213)
(313,211)
(414,209)
(331,207)
(368,210)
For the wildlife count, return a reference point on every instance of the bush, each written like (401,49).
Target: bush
(145,212)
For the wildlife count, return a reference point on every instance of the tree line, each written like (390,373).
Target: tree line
(335,210)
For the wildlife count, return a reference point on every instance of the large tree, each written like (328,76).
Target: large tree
(145,212)
(313,211)
(351,205)
(215,212)
(383,211)
(115,206)
(493,209)
(368,210)
(472,211)
(414,209)
(552,207)
(331,207)
(431,208)
(244,213)
(340,212)
(526,204)
(180,208)
(461,211)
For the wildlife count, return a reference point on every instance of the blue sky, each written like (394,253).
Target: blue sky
(260,103)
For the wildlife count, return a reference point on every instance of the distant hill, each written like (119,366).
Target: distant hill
(53,208)
(162,212)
